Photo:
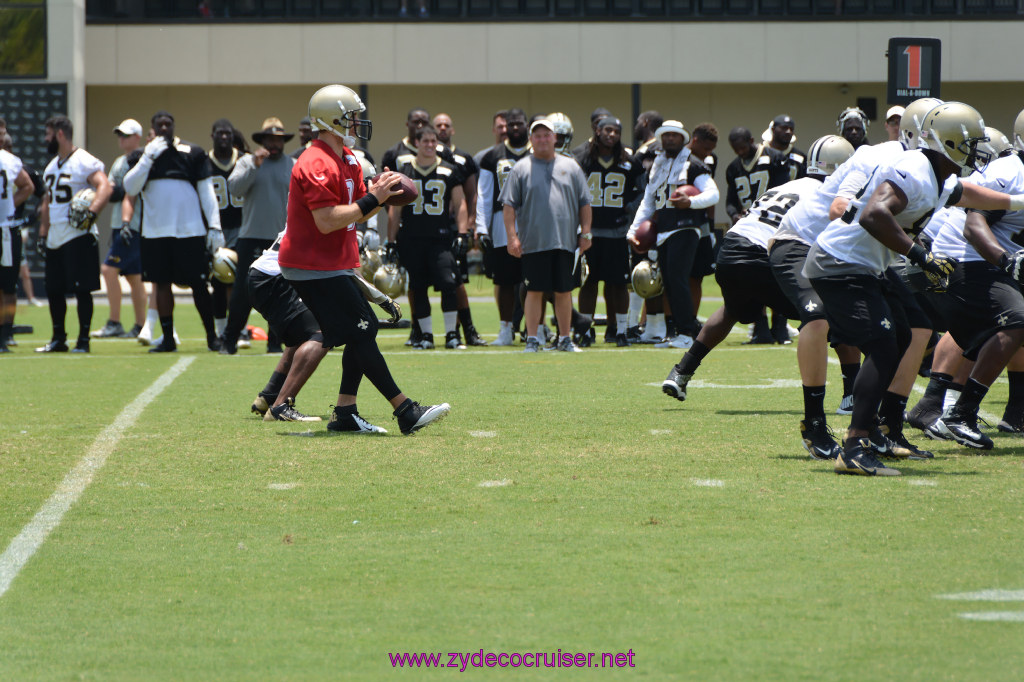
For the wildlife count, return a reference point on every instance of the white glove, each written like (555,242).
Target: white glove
(214,240)
(156,147)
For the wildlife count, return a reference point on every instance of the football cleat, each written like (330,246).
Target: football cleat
(1013,419)
(164,348)
(286,412)
(818,439)
(566,345)
(426,342)
(111,330)
(351,422)
(902,448)
(412,416)
(4,348)
(633,334)
(845,405)
(622,341)
(53,347)
(81,346)
(506,337)
(451,341)
(675,384)
(962,427)
(922,415)
(680,341)
(587,339)
(860,460)
(260,405)
(473,338)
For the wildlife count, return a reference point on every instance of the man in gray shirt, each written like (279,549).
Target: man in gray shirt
(261,179)
(545,200)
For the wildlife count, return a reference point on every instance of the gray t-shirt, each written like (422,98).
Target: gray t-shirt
(547,197)
(265,190)
(116,177)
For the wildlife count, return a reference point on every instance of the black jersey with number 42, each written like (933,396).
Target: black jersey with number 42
(428,216)
(613,186)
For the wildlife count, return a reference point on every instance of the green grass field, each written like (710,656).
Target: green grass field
(565,503)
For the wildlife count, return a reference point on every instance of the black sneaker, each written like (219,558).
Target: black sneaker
(351,422)
(900,447)
(963,428)
(452,341)
(412,416)
(426,342)
(168,346)
(53,347)
(675,384)
(860,460)
(111,330)
(286,412)
(473,338)
(818,439)
(922,415)
(1013,419)
(81,346)
(621,340)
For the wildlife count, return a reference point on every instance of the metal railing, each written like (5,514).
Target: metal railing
(224,11)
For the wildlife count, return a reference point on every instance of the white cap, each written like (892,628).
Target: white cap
(894,111)
(544,123)
(129,126)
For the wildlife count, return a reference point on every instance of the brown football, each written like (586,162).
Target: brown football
(647,235)
(408,194)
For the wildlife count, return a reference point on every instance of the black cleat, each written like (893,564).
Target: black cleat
(351,422)
(412,416)
(621,341)
(452,341)
(675,384)
(860,460)
(845,405)
(633,334)
(963,428)
(286,412)
(1013,419)
(81,346)
(165,347)
(922,415)
(818,439)
(473,338)
(902,448)
(53,347)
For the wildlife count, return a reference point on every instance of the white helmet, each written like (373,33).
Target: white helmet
(997,144)
(390,279)
(827,154)
(368,170)
(956,130)
(913,119)
(646,279)
(851,113)
(224,266)
(334,109)
(78,211)
(562,126)
(1018,131)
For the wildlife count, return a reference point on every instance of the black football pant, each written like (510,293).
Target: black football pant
(675,255)
(248,251)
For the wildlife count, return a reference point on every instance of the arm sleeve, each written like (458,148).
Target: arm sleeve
(484,193)
(135,179)
(242,176)
(208,202)
(708,196)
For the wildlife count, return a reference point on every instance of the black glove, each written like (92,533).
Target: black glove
(41,246)
(84,221)
(126,233)
(392,308)
(486,243)
(460,247)
(1013,264)
(936,267)
(391,253)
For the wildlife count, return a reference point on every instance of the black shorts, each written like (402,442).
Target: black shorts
(787,259)
(339,307)
(74,267)
(503,268)
(548,271)
(276,300)
(916,317)
(429,262)
(861,308)
(608,260)
(125,257)
(9,273)
(747,289)
(980,301)
(703,259)
(170,260)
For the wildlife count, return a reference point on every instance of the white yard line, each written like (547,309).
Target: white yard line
(49,516)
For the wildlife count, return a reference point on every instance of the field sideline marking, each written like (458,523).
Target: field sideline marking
(49,516)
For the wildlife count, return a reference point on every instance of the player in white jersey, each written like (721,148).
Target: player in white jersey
(744,273)
(72,245)
(15,187)
(847,262)
(983,307)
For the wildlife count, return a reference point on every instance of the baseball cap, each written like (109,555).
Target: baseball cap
(783,120)
(543,122)
(894,111)
(129,126)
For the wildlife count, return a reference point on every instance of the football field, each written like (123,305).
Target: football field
(153,529)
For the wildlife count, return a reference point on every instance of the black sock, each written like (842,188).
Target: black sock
(346,409)
(6,332)
(691,360)
(85,308)
(403,407)
(670,330)
(972,395)
(1016,380)
(849,376)
(167,326)
(938,384)
(814,402)
(891,411)
(273,386)
(466,319)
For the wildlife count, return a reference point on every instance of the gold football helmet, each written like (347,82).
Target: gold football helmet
(956,130)
(998,144)
(335,109)
(913,119)
(827,154)
(1018,131)
(563,132)
(224,266)
(78,211)
(371,262)
(646,279)
(390,279)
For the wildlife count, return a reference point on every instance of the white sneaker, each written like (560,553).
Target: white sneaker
(505,337)
(679,341)
(649,336)
(145,336)
(243,343)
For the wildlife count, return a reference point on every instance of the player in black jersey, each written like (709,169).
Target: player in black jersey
(780,136)
(502,268)
(223,157)
(612,177)
(420,235)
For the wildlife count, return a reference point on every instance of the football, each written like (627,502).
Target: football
(408,194)
(681,190)
(647,235)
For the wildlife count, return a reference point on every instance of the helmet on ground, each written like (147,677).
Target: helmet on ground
(828,153)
